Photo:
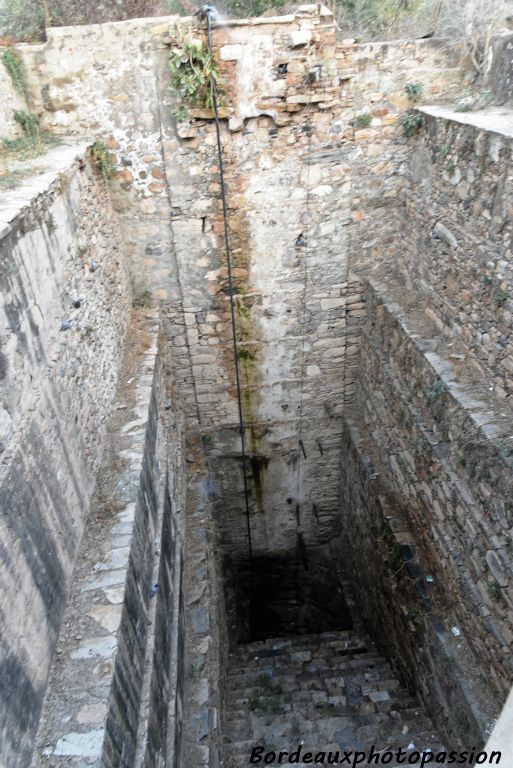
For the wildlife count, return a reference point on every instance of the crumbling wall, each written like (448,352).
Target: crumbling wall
(64,306)
(102,81)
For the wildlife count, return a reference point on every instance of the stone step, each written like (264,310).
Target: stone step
(309,683)
(330,689)
(303,662)
(322,695)
(349,637)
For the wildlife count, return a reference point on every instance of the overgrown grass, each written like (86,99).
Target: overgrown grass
(103,159)
(34,141)
(141,297)
(14,67)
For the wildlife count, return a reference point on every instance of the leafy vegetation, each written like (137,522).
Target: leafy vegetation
(191,69)
(411,120)
(437,389)
(103,159)
(34,140)
(414,92)
(266,698)
(363,120)
(501,296)
(14,67)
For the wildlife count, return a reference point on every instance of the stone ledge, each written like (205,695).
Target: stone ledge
(479,410)
(45,171)
(493,119)
(96,632)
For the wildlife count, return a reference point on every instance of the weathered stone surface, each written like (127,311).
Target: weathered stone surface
(300,37)
(56,391)
(292,168)
(230,52)
(443,233)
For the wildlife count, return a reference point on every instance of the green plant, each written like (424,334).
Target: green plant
(266,697)
(29,124)
(437,389)
(34,139)
(501,296)
(192,70)
(245,354)
(450,168)
(206,440)
(103,159)
(414,92)
(266,682)
(14,67)
(411,122)
(141,297)
(363,120)
(488,281)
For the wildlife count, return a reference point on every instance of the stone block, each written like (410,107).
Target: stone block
(497,570)
(231,52)
(299,38)
(441,232)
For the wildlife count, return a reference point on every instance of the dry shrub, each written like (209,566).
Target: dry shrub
(475,22)
(27,19)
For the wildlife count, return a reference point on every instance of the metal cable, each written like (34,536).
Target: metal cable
(213,88)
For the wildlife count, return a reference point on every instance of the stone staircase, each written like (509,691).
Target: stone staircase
(329,692)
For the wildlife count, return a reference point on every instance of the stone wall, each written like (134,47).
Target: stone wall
(427,518)
(433,388)
(114,681)
(108,89)
(64,311)
(456,237)
(303,123)
(297,161)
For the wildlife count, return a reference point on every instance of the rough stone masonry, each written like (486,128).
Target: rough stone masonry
(388,334)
